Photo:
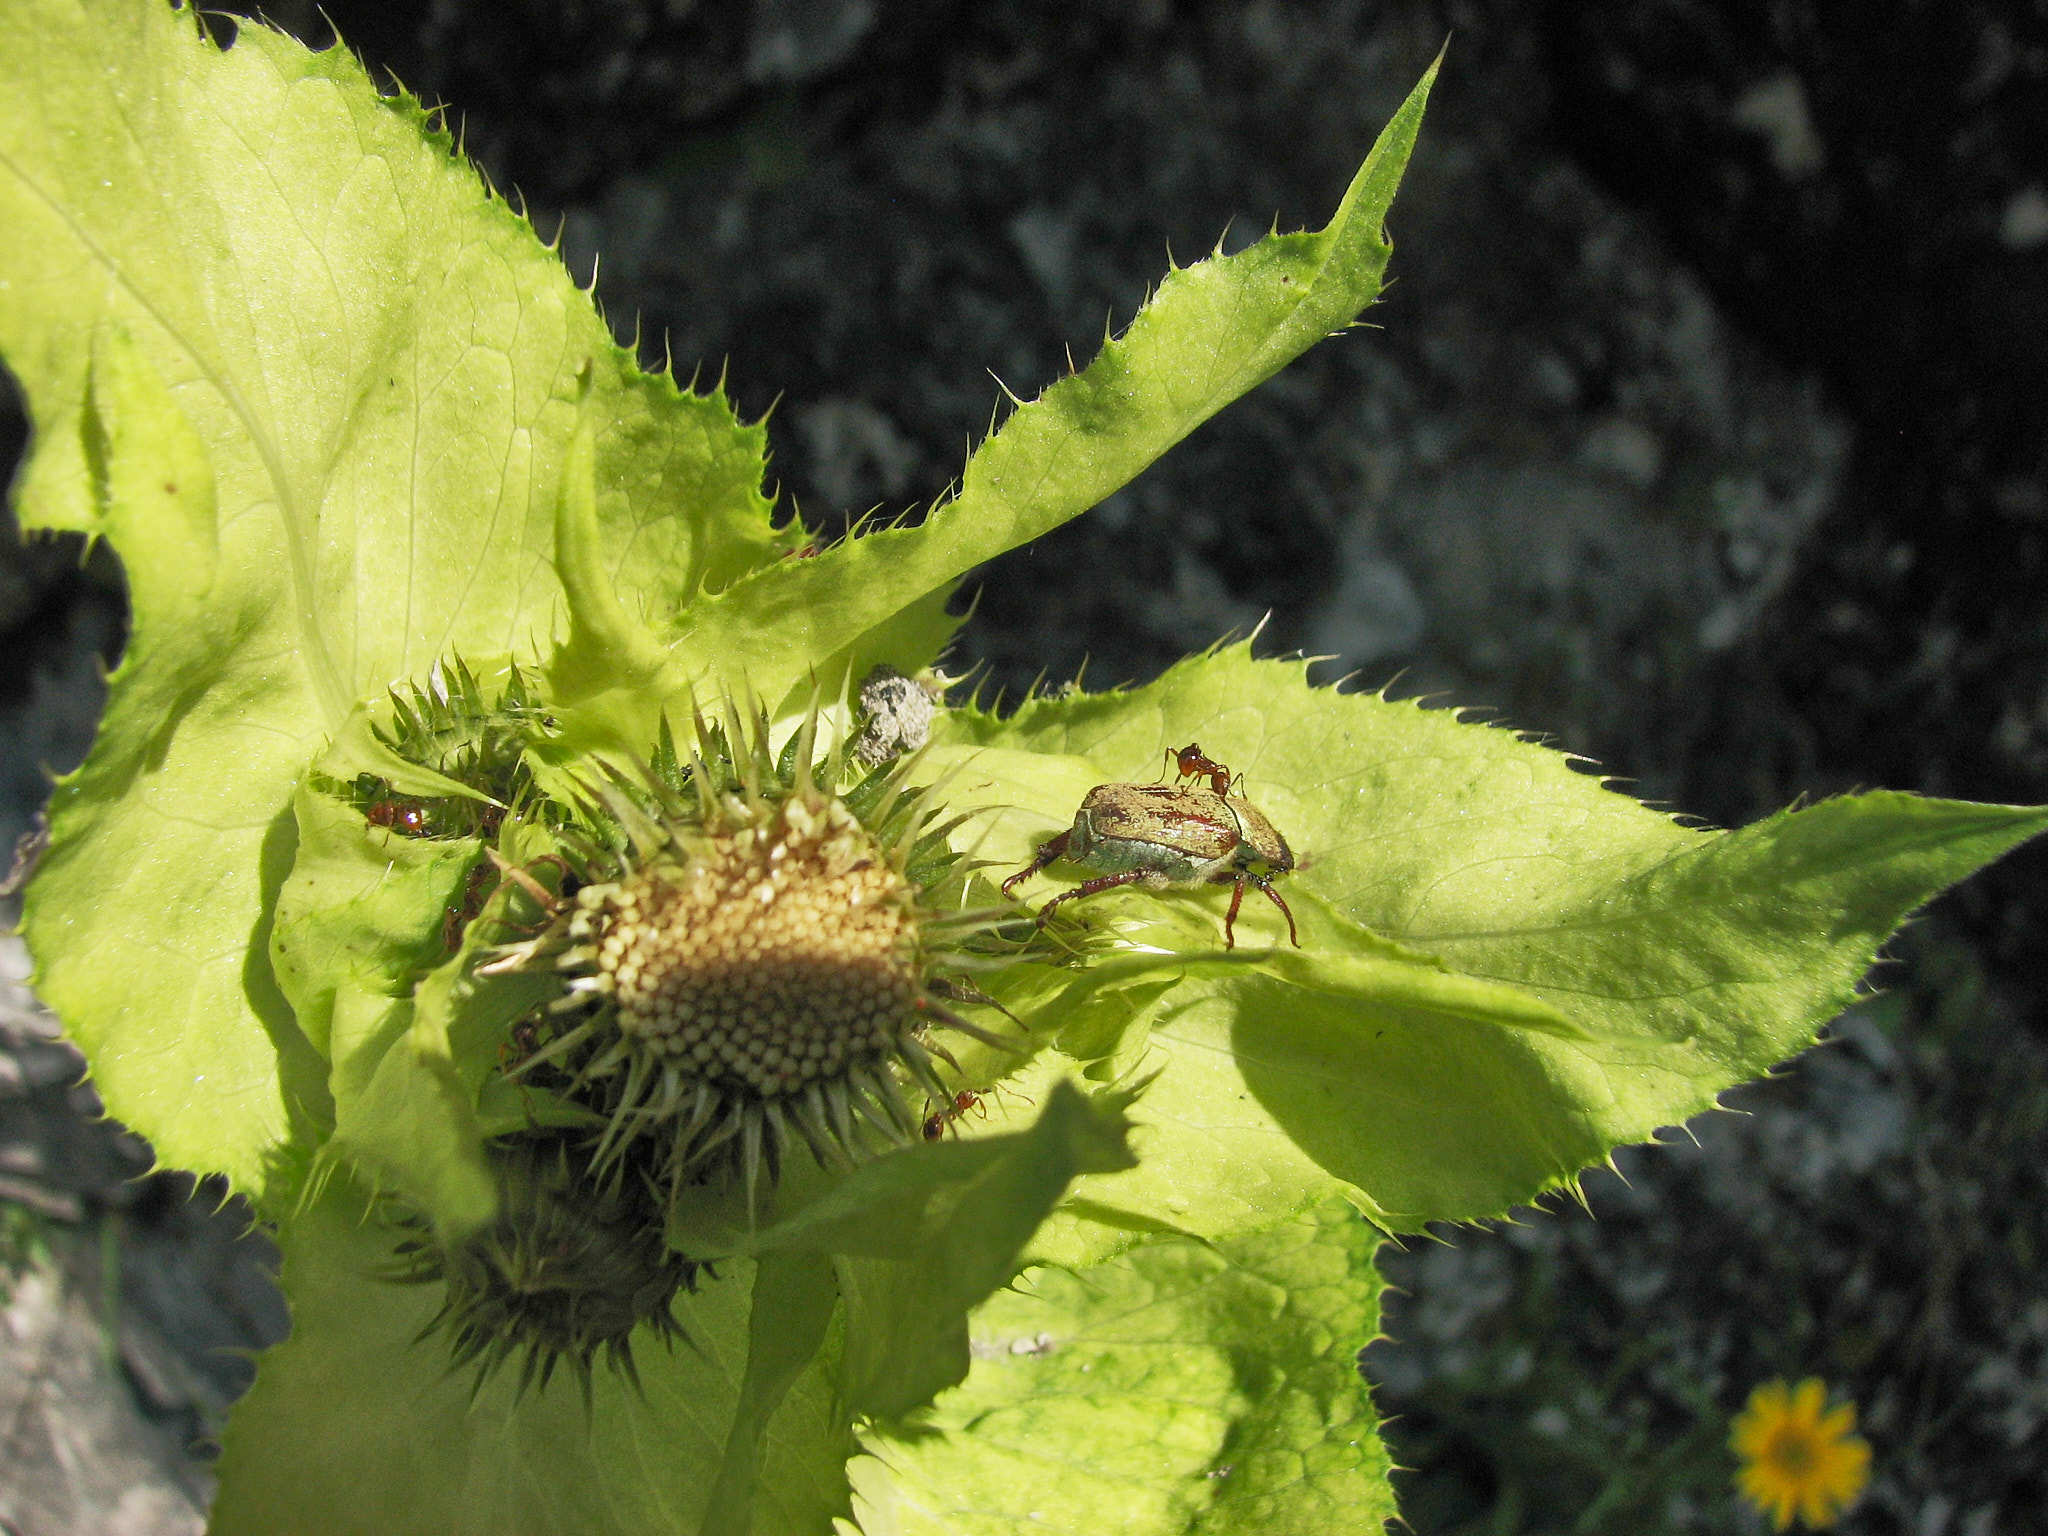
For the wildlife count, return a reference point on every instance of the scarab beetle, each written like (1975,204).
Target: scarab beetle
(1169,837)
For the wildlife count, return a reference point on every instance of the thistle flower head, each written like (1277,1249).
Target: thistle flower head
(774,955)
(570,1268)
(760,957)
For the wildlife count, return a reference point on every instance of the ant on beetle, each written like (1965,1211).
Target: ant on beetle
(1189,763)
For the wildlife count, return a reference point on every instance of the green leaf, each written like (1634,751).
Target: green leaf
(363,904)
(1182,1387)
(136,934)
(360,947)
(920,1236)
(925,1235)
(402,1116)
(358,923)
(607,654)
(316,387)
(352,1426)
(1212,331)
(1334,956)
(1682,960)
(794,1297)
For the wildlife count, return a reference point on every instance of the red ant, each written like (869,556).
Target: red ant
(413,818)
(941,1121)
(936,1123)
(408,817)
(1189,763)
(475,891)
(522,1043)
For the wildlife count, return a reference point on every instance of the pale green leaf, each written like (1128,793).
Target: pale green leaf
(402,1115)
(363,904)
(793,1301)
(1211,332)
(925,1235)
(149,911)
(248,269)
(1683,960)
(1182,1387)
(359,922)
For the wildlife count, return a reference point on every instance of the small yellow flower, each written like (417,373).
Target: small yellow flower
(1796,1458)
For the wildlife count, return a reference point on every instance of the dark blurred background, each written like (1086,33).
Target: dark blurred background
(1703,432)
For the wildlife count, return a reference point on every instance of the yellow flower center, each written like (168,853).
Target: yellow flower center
(772,956)
(1791,1450)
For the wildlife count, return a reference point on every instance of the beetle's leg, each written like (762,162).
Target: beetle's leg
(1053,848)
(1093,887)
(1274,896)
(1230,917)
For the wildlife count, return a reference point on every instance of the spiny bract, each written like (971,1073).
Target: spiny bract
(762,957)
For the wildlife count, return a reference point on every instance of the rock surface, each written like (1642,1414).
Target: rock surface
(132,1303)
